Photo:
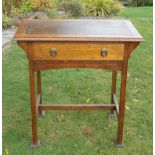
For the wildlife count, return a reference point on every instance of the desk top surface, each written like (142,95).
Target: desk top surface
(77,30)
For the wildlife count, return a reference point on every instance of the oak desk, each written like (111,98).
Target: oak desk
(104,44)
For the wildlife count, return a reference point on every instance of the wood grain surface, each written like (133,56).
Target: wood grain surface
(76,51)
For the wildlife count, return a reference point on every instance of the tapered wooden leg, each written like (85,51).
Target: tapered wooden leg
(35,142)
(40,112)
(113,91)
(119,142)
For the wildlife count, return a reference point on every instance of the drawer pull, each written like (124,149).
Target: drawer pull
(53,52)
(104,52)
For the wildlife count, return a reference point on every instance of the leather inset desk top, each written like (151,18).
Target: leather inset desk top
(78,30)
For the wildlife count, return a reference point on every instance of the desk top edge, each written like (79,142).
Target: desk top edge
(21,34)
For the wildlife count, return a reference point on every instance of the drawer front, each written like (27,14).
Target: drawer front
(77,51)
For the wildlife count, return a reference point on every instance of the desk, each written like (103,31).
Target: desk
(54,44)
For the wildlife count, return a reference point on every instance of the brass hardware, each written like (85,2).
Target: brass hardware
(53,52)
(104,52)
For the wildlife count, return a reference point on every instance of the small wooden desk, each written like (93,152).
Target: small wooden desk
(104,44)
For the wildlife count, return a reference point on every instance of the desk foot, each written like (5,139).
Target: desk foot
(112,114)
(35,145)
(41,114)
(119,145)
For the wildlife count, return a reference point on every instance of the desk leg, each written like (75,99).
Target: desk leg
(40,112)
(33,107)
(122,106)
(113,91)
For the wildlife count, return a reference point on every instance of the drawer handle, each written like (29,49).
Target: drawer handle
(104,52)
(53,52)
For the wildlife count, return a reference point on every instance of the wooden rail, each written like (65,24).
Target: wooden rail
(77,107)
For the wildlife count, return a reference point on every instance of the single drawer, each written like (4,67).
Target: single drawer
(76,51)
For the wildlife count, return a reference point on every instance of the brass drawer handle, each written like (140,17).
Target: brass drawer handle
(104,52)
(53,52)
